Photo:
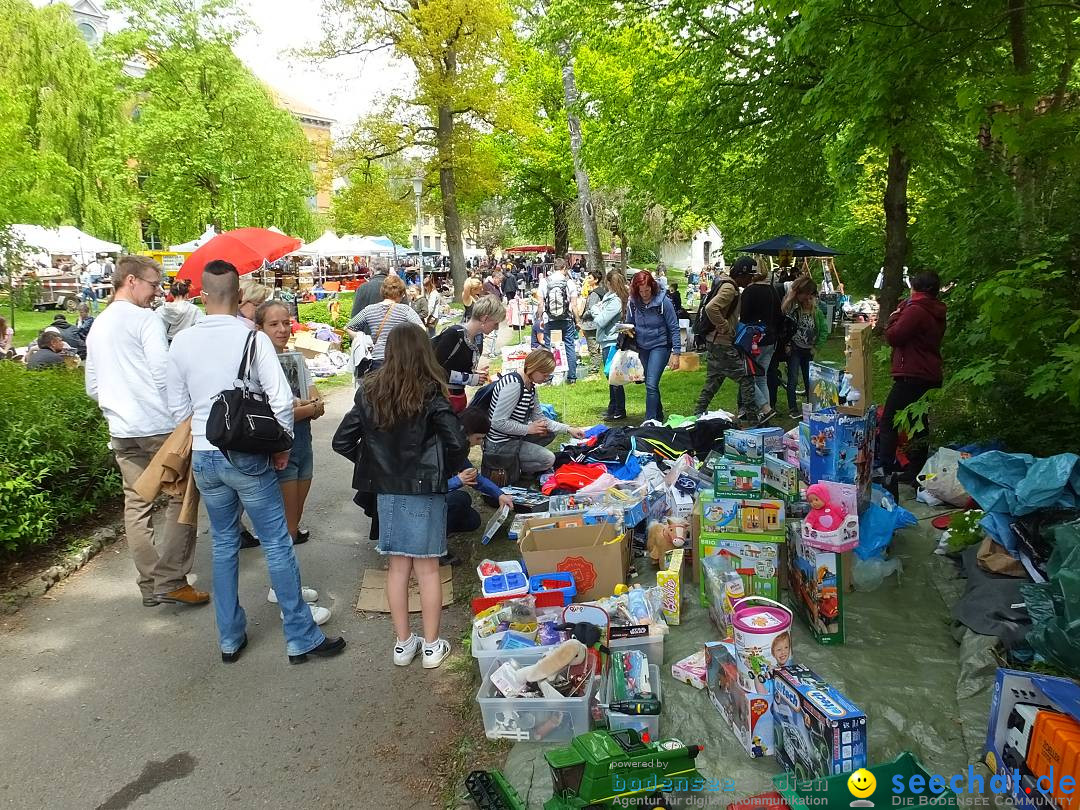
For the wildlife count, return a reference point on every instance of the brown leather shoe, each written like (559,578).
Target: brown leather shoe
(184,596)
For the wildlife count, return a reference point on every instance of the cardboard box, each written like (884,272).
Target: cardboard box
(845,536)
(841,448)
(691,670)
(309,345)
(859,367)
(744,445)
(598,556)
(819,732)
(772,439)
(736,479)
(669,580)
(754,557)
(743,516)
(780,479)
(749,714)
(804,449)
(1016,742)
(815,583)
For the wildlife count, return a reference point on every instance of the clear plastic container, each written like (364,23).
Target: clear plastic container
(531,719)
(639,722)
(486,649)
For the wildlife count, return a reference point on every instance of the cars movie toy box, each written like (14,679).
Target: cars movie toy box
(819,732)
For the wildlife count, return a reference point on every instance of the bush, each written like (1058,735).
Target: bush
(55,464)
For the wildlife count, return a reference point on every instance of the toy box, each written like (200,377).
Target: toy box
(744,445)
(842,499)
(748,714)
(819,732)
(772,439)
(1034,731)
(780,479)
(743,516)
(815,583)
(669,580)
(755,558)
(825,382)
(842,449)
(737,479)
(690,670)
(804,448)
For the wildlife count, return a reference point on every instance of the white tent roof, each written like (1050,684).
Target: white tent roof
(195,244)
(66,240)
(361,246)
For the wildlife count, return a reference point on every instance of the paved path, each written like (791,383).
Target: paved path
(109,705)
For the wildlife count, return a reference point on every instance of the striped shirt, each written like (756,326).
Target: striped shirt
(370,320)
(513,406)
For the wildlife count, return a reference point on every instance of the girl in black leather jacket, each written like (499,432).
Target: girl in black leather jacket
(406,443)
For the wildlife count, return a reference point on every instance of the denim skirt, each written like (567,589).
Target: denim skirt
(412,525)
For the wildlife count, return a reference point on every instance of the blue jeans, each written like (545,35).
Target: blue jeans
(798,361)
(249,480)
(761,380)
(569,335)
(654,361)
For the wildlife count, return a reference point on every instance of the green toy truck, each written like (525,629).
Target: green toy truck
(596,770)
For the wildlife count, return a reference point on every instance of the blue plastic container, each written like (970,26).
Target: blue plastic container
(568,588)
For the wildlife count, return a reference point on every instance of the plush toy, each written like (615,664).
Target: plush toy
(663,537)
(824,516)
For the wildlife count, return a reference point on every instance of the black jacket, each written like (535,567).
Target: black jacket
(761,305)
(415,458)
(368,293)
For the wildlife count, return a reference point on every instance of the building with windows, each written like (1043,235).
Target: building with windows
(317,129)
(90,19)
(432,239)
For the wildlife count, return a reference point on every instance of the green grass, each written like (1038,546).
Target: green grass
(28,323)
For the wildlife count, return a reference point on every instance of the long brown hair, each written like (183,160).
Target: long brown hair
(410,376)
(616,282)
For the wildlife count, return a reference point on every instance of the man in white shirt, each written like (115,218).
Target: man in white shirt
(126,356)
(558,297)
(204,360)
(87,278)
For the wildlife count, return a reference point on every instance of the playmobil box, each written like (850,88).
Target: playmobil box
(819,732)
(748,713)
(779,479)
(1033,740)
(815,586)
(804,448)
(754,558)
(743,516)
(842,449)
(736,479)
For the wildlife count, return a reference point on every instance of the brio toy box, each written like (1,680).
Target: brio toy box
(752,445)
(815,586)
(1034,731)
(772,439)
(819,732)
(753,557)
(737,479)
(780,479)
(748,713)
(743,516)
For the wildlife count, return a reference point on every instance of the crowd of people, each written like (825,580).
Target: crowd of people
(156,373)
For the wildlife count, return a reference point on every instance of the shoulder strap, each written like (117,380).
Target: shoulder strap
(382,323)
(247,359)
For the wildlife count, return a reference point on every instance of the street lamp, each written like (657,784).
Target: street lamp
(418,189)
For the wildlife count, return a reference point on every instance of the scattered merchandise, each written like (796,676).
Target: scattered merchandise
(748,714)
(494,524)
(819,732)
(641,709)
(814,579)
(669,580)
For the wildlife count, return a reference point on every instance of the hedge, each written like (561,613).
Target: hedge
(55,463)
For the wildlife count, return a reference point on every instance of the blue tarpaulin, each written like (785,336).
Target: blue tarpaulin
(1019,484)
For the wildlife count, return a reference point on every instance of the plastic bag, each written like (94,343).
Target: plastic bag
(626,368)
(938,477)
(878,522)
(867,575)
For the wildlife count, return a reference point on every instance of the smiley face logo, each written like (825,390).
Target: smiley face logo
(862,783)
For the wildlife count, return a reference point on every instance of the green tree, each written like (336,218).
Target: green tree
(211,144)
(369,204)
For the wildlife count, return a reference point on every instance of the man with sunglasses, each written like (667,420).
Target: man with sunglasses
(126,359)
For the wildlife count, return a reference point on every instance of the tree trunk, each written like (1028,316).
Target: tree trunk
(581,176)
(448,187)
(1024,172)
(561,222)
(897,244)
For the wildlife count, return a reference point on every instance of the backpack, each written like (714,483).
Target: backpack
(557,301)
(703,326)
(481,400)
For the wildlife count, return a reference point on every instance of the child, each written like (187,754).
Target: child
(405,442)
(460,515)
(809,332)
(781,649)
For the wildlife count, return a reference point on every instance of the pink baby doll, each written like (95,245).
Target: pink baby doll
(824,516)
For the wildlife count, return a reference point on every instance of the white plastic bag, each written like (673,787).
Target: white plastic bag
(626,368)
(938,477)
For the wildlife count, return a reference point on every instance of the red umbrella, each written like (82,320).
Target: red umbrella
(247,248)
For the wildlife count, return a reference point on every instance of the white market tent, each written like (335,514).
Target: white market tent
(67,240)
(326,245)
(195,244)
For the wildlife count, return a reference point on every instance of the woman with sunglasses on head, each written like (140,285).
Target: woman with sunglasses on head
(656,336)
(517,423)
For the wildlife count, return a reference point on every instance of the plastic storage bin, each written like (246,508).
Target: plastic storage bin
(487,649)
(532,719)
(638,722)
(652,646)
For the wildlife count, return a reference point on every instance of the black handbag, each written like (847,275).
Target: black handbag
(241,419)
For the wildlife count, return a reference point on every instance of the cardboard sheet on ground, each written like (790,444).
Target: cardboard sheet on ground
(901,665)
(373,591)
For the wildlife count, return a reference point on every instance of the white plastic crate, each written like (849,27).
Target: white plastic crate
(638,722)
(652,646)
(532,719)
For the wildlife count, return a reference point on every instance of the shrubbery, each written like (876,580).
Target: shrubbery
(55,464)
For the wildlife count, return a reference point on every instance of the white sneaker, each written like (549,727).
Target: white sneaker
(321,615)
(310,595)
(405,651)
(435,653)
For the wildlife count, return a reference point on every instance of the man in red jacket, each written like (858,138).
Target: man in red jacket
(915,332)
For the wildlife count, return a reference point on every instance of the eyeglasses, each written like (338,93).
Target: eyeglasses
(156,283)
